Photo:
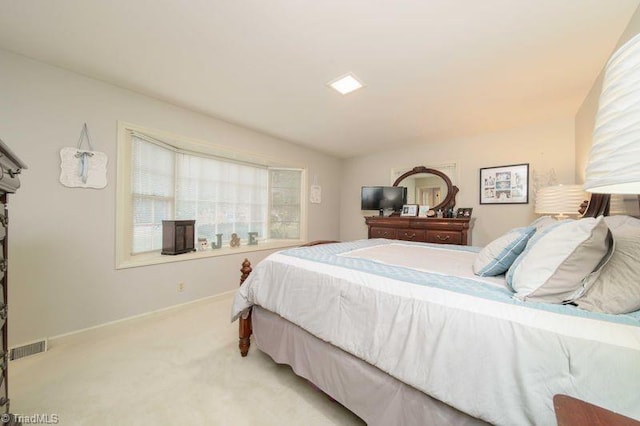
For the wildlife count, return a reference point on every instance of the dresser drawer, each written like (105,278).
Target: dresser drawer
(3,317)
(384,233)
(411,234)
(3,267)
(3,224)
(444,237)
(421,229)
(3,392)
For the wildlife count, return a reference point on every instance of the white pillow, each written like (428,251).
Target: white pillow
(497,256)
(540,232)
(557,262)
(542,222)
(616,290)
(621,222)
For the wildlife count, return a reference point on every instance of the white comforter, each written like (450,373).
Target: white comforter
(472,347)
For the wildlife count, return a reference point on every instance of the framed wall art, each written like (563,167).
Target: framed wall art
(505,184)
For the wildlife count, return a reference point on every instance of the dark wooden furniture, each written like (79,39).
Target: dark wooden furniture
(574,412)
(245,329)
(424,229)
(178,236)
(421,229)
(448,200)
(598,205)
(10,168)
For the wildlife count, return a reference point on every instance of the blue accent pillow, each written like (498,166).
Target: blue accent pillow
(496,258)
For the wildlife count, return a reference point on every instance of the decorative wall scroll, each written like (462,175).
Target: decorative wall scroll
(81,168)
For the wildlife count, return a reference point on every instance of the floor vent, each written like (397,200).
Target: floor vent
(27,350)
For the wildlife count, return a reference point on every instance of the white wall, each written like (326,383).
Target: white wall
(547,146)
(62,240)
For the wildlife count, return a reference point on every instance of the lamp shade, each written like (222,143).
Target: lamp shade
(560,199)
(614,160)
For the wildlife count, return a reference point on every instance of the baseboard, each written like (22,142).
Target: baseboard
(52,340)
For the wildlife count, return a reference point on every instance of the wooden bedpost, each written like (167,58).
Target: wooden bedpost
(246,330)
(245,323)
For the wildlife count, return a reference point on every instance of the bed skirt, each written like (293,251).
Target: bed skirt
(367,391)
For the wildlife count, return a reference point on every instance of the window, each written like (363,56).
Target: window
(285,204)
(152,193)
(165,178)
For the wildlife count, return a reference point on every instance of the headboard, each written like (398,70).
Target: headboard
(599,205)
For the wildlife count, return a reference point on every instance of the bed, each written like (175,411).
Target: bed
(409,333)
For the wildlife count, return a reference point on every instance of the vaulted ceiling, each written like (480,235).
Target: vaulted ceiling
(433,69)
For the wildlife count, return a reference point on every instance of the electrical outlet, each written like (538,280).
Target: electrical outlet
(180,287)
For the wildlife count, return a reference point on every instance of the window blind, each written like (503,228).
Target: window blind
(152,190)
(224,197)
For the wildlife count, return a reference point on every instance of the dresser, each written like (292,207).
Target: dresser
(10,168)
(422,229)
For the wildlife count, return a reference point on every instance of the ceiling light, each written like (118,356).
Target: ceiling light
(346,84)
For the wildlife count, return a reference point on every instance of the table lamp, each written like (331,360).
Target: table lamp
(614,161)
(560,200)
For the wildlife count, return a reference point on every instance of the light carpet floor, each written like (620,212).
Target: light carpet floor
(176,367)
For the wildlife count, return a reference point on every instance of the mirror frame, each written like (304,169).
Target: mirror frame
(449,201)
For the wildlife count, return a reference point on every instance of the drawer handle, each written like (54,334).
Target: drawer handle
(3,311)
(445,238)
(410,236)
(3,220)
(3,265)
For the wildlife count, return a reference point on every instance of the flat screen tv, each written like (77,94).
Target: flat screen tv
(383,197)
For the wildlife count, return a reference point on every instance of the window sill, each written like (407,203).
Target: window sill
(155,258)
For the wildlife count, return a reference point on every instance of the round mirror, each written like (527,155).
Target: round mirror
(428,187)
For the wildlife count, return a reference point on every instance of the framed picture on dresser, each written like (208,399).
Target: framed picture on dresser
(505,184)
(409,210)
(464,212)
